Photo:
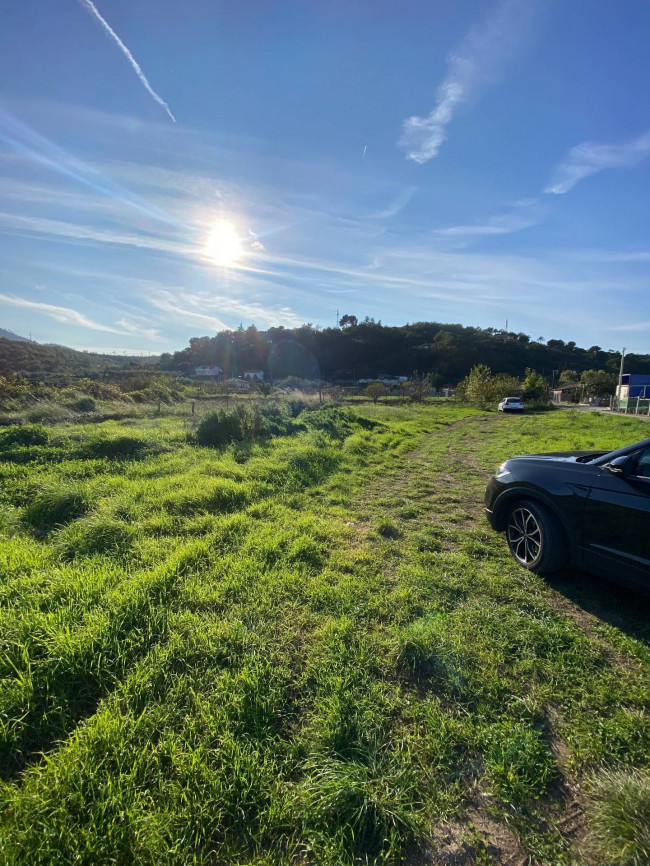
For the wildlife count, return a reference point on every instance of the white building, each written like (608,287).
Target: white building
(254,375)
(213,372)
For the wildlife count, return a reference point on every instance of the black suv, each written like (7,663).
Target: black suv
(587,508)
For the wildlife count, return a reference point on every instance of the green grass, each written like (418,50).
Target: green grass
(306,648)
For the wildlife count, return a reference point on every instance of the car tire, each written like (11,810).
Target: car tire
(535,537)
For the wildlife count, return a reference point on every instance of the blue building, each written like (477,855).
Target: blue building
(635,385)
(634,393)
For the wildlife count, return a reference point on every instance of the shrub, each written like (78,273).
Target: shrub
(619,817)
(83,404)
(220,428)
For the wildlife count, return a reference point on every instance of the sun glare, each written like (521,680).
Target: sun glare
(223,245)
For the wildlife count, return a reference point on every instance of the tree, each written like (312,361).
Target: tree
(567,377)
(375,390)
(265,389)
(348,321)
(419,387)
(599,383)
(535,386)
(484,389)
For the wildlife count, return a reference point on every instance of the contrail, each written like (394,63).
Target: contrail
(134,63)
(365,148)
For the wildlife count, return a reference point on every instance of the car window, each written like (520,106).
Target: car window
(642,464)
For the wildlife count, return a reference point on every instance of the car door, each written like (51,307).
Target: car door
(616,534)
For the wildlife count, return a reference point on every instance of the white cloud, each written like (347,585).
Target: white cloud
(477,64)
(66,315)
(590,158)
(87,4)
(503,224)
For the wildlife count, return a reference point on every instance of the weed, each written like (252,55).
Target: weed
(98,533)
(619,817)
(57,506)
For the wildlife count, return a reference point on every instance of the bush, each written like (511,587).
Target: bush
(83,404)
(220,428)
(27,434)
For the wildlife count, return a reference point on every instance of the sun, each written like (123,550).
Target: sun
(223,245)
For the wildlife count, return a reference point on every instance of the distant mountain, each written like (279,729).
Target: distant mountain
(9,335)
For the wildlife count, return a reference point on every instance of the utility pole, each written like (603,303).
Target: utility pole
(620,382)
(337,319)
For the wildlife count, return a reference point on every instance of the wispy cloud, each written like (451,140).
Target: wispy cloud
(196,307)
(503,224)
(635,326)
(139,329)
(66,315)
(87,4)
(476,64)
(590,158)
(396,206)
(83,233)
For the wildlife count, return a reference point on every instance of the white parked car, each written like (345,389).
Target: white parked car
(511,404)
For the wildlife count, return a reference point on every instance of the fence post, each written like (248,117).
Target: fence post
(192,407)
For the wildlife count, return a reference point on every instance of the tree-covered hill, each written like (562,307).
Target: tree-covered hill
(34,360)
(9,335)
(368,348)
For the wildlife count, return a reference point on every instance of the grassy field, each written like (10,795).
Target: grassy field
(310,649)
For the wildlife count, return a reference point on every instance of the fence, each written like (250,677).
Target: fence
(634,406)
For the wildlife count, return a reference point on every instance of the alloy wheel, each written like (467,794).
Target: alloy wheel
(524,536)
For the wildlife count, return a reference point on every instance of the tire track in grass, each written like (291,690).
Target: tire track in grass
(441,483)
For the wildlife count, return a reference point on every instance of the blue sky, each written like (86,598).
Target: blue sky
(170,169)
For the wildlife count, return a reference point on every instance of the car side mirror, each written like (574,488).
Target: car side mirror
(618,466)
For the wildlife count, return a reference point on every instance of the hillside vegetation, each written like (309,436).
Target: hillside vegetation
(53,363)
(367,349)
(302,644)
